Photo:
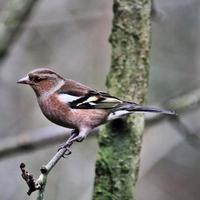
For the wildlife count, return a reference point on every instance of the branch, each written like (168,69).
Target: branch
(31,140)
(40,183)
(11,21)
(181,104)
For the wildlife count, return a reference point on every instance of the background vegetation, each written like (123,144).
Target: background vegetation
(72,38)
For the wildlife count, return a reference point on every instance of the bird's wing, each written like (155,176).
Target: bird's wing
(91,100)
(79,96)
(96,100)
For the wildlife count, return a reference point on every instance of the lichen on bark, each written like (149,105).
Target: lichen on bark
(118,158)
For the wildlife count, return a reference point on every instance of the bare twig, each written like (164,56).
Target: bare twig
(31,140)
(40,183)
(28,178)
(11,21)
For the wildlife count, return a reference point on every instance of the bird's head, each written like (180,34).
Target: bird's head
(42,80)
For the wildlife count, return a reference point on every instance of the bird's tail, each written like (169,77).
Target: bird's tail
(129,107)
(139,108)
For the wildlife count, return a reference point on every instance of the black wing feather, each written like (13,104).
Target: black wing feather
(95,100)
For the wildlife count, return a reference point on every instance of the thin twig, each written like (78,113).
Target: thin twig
(40,183)
(28,178)
(32,140)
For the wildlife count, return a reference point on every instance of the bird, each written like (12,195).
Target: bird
(74,105)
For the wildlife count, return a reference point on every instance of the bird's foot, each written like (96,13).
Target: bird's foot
(78,138)
(68,151)
(65,146)
(75,137)
(68,143)
(74,133)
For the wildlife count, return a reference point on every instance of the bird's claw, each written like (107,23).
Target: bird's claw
(67,153)
(80,139)
(61,146)
(64,146)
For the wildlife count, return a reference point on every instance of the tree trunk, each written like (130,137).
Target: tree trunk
(118,159)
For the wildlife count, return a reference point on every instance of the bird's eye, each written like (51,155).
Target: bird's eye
(35,79)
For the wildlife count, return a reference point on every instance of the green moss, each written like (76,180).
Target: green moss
(120,142)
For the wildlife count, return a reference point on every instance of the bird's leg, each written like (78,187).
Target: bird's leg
(69,142)
(74,133)
(80,137)
(75,136)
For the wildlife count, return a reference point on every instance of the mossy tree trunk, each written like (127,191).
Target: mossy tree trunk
(118,159)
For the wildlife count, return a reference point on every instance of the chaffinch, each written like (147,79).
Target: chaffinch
(73,105)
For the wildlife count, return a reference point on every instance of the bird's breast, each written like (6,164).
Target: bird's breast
(56,112)
(61,114)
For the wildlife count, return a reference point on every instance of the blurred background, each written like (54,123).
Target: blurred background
(71,37)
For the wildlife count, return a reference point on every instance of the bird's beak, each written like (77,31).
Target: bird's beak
(25,80)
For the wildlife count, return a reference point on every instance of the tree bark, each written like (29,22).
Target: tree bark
(118,159)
